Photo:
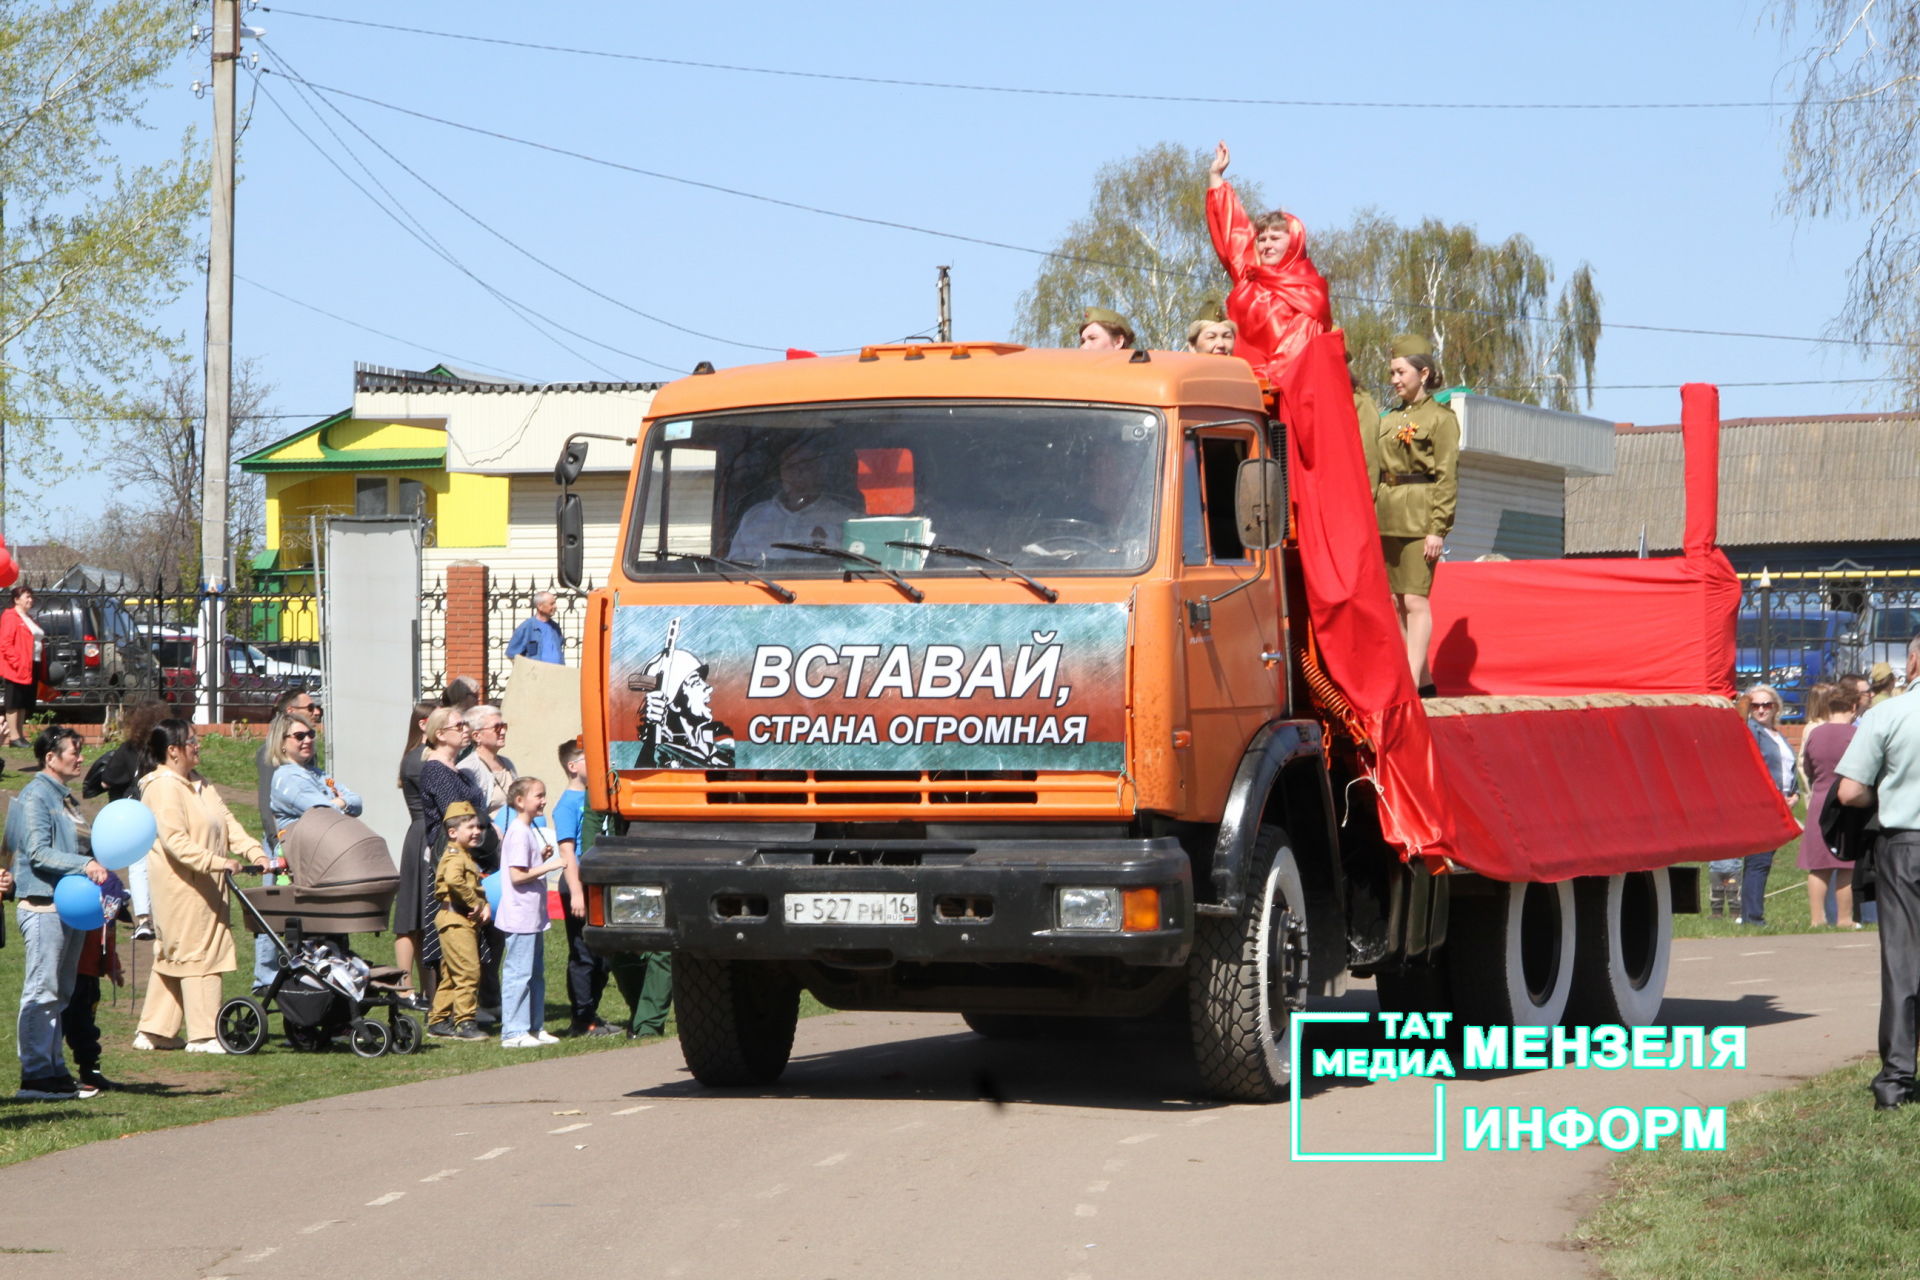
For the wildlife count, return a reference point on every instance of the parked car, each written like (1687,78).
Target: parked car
(1890,626)
(96,658)
(250,682)
(1802,645)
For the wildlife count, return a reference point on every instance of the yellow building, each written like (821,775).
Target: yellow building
(471,455)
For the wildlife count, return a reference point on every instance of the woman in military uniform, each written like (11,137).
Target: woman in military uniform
(1417,446)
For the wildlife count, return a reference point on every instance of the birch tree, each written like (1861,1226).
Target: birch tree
(92,247)
(1853,150)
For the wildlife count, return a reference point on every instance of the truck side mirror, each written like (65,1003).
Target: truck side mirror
(569,520)
(573,460)
(1260,503)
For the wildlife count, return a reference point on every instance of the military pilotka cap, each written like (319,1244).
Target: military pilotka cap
(1882,673)
(458,810)
(1410,344)
(1213,313)
(1111,319)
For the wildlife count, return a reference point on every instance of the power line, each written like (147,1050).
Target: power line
(902,83)
(293,73)
(525,313)
(1027,249)
(436,352)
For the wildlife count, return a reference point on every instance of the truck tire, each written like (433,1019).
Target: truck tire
(1510,955)
(1247,973)
(1623,945)
(736,1019)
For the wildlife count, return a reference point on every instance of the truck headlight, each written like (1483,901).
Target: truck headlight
(644,905)
(1093,909)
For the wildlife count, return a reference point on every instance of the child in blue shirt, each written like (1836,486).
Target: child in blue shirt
(586,972)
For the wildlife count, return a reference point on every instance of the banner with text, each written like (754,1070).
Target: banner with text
(883,687)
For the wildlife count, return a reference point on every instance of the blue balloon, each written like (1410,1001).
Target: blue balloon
(123,832)
(77,901)
(492,885)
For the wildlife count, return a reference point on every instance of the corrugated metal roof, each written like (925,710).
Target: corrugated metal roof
(1837,478)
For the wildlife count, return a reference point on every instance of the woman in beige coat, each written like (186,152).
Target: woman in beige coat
(195,846)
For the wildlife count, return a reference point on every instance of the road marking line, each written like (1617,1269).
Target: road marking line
(778,1188)
(627,1111)
(319,1226)
(388,1198)
(569,1128)
(1689,959)
(263,1255)
(1138,1138)
(1747,982)
(830,1161)
(1114,1165)
(1854,946)
(1209,1118)
(911,1124)
(1756,953)
(1095,1188)
(497,1151)
(1085,1211)
(440,1176)
(1810,1012)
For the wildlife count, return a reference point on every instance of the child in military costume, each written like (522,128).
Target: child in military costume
(463,909)
(1416,484)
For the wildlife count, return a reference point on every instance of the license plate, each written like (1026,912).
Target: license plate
(853,908)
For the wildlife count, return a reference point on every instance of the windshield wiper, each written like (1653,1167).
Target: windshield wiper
(1040,589)
(718,563)
(854,557)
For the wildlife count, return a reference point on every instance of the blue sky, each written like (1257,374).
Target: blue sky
(1676,210)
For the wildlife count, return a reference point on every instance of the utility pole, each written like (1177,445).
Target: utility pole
(946,304)
(219,362)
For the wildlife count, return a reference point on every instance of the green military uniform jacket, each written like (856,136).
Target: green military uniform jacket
(1367,410)
(456,882)
(1421,440)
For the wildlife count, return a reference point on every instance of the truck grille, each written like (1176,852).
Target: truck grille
(828,787)
(787,794)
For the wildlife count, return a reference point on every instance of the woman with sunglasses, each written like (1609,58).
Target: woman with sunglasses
(299,784)
(1763,715)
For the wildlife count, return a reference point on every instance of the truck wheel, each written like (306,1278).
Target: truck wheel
(1246,975)
(1623,946)
(1510,955)
(736,1019)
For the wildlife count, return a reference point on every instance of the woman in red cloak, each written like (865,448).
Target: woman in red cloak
(1279,301)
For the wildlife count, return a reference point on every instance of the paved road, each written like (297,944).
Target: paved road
(879,1157)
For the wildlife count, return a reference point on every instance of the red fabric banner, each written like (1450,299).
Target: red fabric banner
(1561,627)
(1346,586)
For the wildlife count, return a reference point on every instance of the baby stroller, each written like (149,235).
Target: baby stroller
(343,882)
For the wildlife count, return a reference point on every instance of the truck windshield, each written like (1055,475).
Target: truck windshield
(1049,489)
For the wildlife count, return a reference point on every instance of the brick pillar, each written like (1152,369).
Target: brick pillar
(467,642)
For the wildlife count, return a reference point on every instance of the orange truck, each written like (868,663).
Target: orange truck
(1035,685)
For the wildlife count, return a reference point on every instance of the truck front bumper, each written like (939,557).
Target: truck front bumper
(981,901)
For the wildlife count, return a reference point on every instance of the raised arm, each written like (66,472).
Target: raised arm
(1227,220)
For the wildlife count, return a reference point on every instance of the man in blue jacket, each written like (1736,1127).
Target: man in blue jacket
(44,832)
(539,637)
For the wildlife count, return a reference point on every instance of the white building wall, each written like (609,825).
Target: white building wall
(1491,487)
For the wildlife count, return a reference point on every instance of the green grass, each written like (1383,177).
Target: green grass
(1814,1182)
(167,1089)
(1786,911)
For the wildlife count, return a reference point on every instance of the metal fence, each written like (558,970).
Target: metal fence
(1799,629)
(509,603)
(112,644)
